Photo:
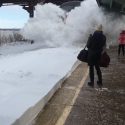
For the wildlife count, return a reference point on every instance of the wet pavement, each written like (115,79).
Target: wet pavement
(91,106)
(106,106)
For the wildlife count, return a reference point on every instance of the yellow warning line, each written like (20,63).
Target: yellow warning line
(68,109)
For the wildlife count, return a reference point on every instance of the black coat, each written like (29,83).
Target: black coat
(95,45)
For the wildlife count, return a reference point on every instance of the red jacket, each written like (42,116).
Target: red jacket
(121,39)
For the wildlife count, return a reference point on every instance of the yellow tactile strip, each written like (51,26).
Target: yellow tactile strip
(57,109)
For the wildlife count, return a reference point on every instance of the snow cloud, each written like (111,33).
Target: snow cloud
(52,26)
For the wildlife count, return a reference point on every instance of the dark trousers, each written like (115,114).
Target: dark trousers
(121,46)
(91,73)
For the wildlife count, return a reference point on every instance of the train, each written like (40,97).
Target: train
(117,6)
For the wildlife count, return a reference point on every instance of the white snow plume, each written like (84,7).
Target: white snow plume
(113,25)
(88,16)
(46,26)
(50,28)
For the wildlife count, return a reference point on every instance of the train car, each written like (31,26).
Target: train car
(68,6)
(113,5)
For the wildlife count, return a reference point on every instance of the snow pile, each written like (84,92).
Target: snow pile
(28,77)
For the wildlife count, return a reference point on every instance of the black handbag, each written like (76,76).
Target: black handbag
(83,55)
(105,60)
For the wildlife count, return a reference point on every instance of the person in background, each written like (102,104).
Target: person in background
(95,47)
(121,41)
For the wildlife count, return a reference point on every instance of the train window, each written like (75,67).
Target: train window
(68,6)
(106,1)
(123,10)
(116,6)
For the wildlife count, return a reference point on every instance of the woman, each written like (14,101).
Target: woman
(95,48)
(121,41)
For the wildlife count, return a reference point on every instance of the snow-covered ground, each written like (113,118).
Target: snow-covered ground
(28,76)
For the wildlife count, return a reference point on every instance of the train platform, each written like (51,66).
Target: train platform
(75,103)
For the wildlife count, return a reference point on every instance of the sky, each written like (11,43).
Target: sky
(13,17)
(29,71)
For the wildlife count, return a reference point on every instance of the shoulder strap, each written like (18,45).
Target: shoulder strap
(85,46)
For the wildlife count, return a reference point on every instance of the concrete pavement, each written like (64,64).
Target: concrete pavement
(77,104)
